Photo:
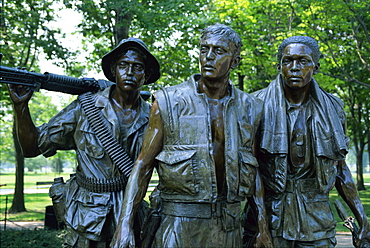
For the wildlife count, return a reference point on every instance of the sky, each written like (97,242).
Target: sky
(67,22)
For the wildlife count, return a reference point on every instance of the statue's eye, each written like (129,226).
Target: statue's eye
(220,50)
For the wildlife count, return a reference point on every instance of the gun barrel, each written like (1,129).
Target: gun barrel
(69,85)
(48,81)
(18,76)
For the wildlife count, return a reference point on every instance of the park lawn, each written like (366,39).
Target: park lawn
(30,179)
(365,199)
(35,203)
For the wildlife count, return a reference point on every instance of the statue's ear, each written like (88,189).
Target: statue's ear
(316,69)
(147,76)
(113,70)
(236,62)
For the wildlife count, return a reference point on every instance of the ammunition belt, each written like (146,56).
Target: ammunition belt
(100,185)
(103,132)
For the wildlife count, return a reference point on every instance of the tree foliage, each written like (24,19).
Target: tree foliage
(171,30)
(25,32)
(342,30)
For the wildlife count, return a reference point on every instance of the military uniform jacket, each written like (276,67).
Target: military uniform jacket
(70,130)
(300,209)
(186,166)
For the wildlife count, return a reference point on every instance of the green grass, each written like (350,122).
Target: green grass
(36,203)
(365,199)
(30,179)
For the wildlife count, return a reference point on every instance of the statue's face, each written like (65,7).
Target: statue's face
(130,71)
(216,57)
(297,66)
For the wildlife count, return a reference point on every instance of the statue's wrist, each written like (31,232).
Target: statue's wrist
(20,106)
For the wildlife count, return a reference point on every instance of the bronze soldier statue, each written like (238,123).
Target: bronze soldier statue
(94,197)
(201,133)
(302,147)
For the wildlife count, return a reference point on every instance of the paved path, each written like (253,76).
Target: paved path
(22,225)
(26,191)
(344,239)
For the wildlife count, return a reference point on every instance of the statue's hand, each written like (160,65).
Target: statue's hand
(363,239)
(263,240)
(123,237)
(19,93)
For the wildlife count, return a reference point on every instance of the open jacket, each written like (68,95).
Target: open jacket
(186,166)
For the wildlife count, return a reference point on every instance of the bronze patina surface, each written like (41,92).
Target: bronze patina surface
(302,145)
(201,134)
(92,199)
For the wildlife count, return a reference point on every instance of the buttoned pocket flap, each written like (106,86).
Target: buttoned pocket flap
(174,157)
(247,158)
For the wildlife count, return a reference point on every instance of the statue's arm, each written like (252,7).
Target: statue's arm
(263,238)
(25,128)
(257,202)
(346,188)
(139,179)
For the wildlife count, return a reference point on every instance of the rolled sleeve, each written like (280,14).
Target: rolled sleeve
(58,133)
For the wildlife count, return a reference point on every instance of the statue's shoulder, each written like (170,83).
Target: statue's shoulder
(335,100)
(259,93)
(246,96)
(178,89)
(248,101)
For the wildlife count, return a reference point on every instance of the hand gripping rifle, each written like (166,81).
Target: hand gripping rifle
(53,82)
(349,221)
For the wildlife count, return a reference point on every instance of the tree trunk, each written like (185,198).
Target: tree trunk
(241,82)
(18,200)
(368,149)
(122,27)
(359,169)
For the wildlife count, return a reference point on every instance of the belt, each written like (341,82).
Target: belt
(302,185)
(100,185)
(198,210)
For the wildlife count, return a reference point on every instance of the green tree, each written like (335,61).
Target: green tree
(261,25)
(26,34)
(6,142)
(341,27)
(170,29)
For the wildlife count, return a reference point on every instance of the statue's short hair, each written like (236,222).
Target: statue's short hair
(227,32)
(308,41)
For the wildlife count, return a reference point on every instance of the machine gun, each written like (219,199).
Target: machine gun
(349,221)
(53,82)
(48,81)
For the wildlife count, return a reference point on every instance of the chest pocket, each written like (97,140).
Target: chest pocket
(248,170)
(88,142)
(192,130)
(176,172)
(245,131)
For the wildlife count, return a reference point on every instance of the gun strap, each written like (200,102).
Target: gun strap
(101,128)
